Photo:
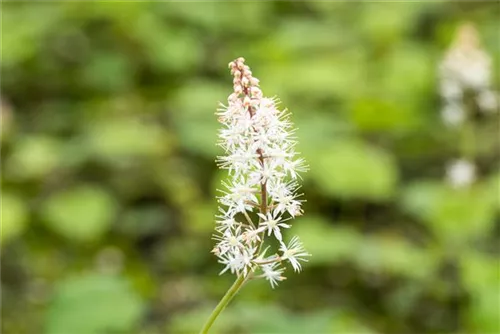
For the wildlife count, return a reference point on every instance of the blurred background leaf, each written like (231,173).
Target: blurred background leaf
(453,215)
(351,169)
(83,213)
(14,217)
(33,157)
(93,304)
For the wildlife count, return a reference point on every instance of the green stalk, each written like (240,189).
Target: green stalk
(468,147)
(233,290)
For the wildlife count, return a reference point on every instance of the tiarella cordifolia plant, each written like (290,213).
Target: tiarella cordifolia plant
(257,138)
(260,198)
(466,70)
(465,87)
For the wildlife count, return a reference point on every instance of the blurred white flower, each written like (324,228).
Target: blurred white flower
(450,90)
(466,68)
(259,146)
(461,173)
(466,64)
(453,114)
(488,101)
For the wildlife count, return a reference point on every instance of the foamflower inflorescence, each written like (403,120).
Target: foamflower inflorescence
(465,87)
(260,199)
(466,69)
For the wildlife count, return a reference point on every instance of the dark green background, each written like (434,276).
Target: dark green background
(108,173)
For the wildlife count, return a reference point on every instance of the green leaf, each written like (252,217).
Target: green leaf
(333,244)
(14,217)
(256,319)
(34,157)
(480,274)
(218,17)
(327,244)
(326,77)
(317,131)
(302,36)
(376,114)
(267,318)
(93,304)
(117,138)
(23,29)
(201,217)
(195,122)
(386,24)
(352,169)
(166,47)
(392,254)
(82,213)
(277,321)
(408,72)
(108,72)
(348,322)
(145,220)
(492,183)
(454,215)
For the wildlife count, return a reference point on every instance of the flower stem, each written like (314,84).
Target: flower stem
(468,132)
(233,290)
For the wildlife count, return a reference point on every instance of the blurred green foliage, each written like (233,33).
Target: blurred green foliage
(104,304)
(108,178)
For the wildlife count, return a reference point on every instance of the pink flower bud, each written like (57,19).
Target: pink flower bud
(237,89)
(256,92)
(233,97)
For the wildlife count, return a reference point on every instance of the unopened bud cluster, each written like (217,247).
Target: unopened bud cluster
(466,69)
(260,198)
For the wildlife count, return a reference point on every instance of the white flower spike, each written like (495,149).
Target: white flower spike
(466,70)
(261,193)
